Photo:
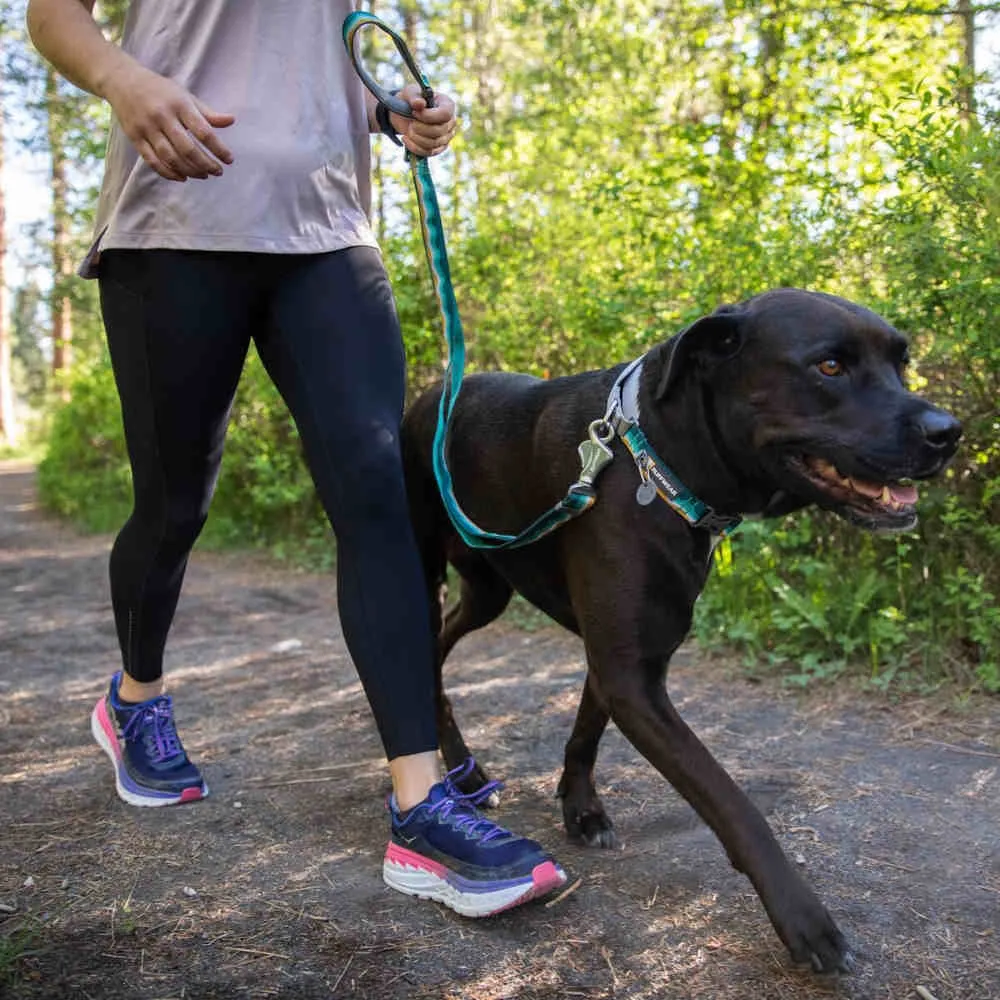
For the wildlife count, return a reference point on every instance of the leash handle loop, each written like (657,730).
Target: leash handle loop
(352,25)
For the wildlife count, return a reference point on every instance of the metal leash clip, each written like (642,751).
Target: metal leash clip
(594,452)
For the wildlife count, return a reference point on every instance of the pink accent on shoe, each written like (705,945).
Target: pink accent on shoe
(401,856)
(547,876)
(190,795)
(544,878)
(111,731)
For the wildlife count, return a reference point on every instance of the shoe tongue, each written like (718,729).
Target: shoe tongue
(439,792)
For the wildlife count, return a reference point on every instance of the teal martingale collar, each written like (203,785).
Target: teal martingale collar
(657,478)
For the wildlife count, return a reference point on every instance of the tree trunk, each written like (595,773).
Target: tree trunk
(409,13)
(62,262)
(967,92)
(8,424)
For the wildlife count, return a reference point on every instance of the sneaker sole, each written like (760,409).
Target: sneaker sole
(106,735)
(416,875)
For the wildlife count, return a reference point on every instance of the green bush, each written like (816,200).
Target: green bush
(815,597)
(264,497)
(85,474)
(811,598)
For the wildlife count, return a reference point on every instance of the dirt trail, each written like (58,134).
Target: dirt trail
(271,887)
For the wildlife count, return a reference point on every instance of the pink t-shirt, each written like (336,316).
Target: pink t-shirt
(300,180)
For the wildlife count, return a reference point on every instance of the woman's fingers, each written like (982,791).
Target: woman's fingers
(176,146)
(152,158)
(192,145)
(428,140)
(172,130)
(203,129)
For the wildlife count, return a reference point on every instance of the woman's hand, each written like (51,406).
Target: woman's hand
(430,130)
(172,130)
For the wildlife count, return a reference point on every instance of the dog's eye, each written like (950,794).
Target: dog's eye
(831,367)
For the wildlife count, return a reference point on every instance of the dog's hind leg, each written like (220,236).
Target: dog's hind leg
(483,596)
(583,812)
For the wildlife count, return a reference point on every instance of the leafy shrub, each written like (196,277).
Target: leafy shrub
(85,474)
(264,495)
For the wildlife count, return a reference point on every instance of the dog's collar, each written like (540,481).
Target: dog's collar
(658,480)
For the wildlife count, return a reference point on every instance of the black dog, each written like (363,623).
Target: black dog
(788,399)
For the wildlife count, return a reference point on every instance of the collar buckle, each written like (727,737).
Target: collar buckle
(718,524)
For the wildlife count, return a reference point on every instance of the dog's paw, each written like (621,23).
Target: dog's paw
(606,839)
(490,801)
(592,830)
(822,946)
(833,961)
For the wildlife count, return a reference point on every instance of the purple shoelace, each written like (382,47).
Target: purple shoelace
(160,715)
(470,820)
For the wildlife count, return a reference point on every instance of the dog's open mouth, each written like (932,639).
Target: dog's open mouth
(875,503)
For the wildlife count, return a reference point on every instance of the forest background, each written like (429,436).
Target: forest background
(622,168)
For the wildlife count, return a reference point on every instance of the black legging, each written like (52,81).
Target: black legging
(179,324)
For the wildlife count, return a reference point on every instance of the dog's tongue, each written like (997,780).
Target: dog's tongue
(906,495)
(899,494)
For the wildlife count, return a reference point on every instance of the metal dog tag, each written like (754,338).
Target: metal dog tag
(645,494)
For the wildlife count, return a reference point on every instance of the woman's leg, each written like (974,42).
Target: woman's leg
(334,349)
(178,327)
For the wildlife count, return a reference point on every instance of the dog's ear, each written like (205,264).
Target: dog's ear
(705,343)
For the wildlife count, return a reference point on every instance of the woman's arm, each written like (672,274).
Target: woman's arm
(173,131)
(65,33)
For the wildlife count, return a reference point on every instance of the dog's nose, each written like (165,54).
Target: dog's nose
(940,429)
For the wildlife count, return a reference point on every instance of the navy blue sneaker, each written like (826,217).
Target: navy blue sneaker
(445,849)
(151,767)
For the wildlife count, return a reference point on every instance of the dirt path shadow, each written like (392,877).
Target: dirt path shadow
(271,887)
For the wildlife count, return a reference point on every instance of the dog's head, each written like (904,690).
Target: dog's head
(807,395)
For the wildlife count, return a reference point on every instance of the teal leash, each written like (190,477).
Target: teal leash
(579,497)
(594,452)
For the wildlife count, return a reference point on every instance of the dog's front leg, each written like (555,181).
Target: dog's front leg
(583,812)
(644,713)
